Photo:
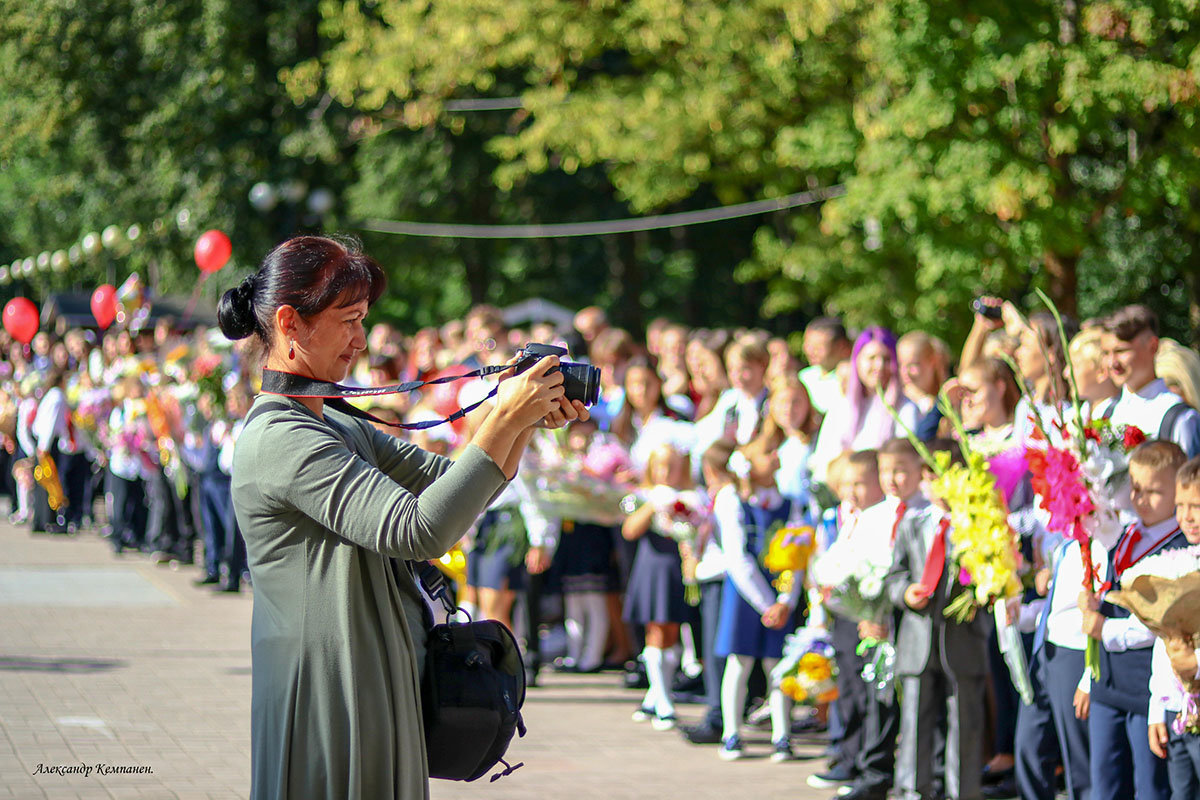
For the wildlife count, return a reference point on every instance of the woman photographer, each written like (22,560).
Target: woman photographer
(332,510)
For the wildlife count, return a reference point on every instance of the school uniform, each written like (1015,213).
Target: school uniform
(1117,721)
(746,529)
(875,759)
(56,435)
(1157,412)
(1168,700)
(942,667)
(655,588)
(130,465)
(1048,733)
(710,575)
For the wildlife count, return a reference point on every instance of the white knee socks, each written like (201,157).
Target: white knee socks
(595,630)
(733,693)
(780,705)
(660,671)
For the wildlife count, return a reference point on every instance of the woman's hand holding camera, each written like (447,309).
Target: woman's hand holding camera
(536,396)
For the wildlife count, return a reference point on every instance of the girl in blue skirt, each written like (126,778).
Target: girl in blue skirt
(754,616)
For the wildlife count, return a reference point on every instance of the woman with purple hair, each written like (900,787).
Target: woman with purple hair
(863,422)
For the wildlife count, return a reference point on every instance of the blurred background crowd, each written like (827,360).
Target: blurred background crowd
(129,434)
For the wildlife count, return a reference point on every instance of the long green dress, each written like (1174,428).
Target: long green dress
(338,637)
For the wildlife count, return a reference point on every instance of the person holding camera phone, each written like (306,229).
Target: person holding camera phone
(332,511)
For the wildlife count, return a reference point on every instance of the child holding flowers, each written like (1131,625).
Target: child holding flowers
(1174,728)
(900,473)
(754,614)
(854,478)
(941,660)
(1117,717)
(655,597)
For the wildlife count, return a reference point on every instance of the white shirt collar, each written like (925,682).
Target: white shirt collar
(1148,392)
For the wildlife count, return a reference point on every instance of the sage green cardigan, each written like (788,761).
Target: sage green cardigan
(338,637)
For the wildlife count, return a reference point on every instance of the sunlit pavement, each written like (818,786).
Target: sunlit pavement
(125,667)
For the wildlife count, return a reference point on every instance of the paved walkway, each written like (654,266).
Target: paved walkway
(115,661)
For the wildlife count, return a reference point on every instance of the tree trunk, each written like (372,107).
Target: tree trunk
(1062,280)
(475,261)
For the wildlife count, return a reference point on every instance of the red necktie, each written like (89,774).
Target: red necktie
(935,564)
(900,512)
(1124,559)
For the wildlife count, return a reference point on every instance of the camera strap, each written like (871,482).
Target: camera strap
(288,384)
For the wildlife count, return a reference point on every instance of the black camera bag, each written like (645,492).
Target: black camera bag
(472,693)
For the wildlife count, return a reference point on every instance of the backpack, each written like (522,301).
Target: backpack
(472,692)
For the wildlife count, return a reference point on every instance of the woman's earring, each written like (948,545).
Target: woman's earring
(292,350)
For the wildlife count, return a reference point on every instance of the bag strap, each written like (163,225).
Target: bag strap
(435,584)
(288,384)
(1167,427)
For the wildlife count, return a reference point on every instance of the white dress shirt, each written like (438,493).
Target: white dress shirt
(1064,625)
(1146,408)
(824,388)
(876,525)
(26,413)
(793,478)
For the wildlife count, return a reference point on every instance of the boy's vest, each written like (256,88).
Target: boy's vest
(1125,676)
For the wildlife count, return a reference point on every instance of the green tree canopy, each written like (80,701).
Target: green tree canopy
(985,146)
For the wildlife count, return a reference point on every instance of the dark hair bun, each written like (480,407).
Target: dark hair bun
(235,312)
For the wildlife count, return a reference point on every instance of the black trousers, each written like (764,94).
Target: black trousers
(75,473)
(852,692)
(162,525)
(714,665)
(127,505)
(1037,751)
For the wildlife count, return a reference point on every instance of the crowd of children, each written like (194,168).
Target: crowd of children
(718,439)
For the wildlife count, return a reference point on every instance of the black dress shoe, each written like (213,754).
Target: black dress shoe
(990,776)
(208,580)
(1002,789)
(860,792)
(701,734)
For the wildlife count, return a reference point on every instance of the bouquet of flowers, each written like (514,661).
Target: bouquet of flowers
(678,514)
(1163,591)
(575,494)
(1075,475)
(208,375)
(787,553)
(852,580)
(807,672)
(584,489)
(985,553)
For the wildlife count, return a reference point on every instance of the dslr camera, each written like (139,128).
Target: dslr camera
(580,381)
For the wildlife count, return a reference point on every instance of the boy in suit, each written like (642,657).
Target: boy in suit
(941,664)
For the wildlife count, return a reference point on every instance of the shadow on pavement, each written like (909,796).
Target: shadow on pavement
(71,665)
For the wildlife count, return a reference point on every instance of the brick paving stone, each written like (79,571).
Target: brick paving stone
(163,679)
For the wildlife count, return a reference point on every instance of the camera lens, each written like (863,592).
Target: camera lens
(581,382)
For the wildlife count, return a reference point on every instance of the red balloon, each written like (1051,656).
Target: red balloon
(212,251)
(104,305)
(21,319)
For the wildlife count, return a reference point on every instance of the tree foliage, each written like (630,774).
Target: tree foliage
(984,146)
